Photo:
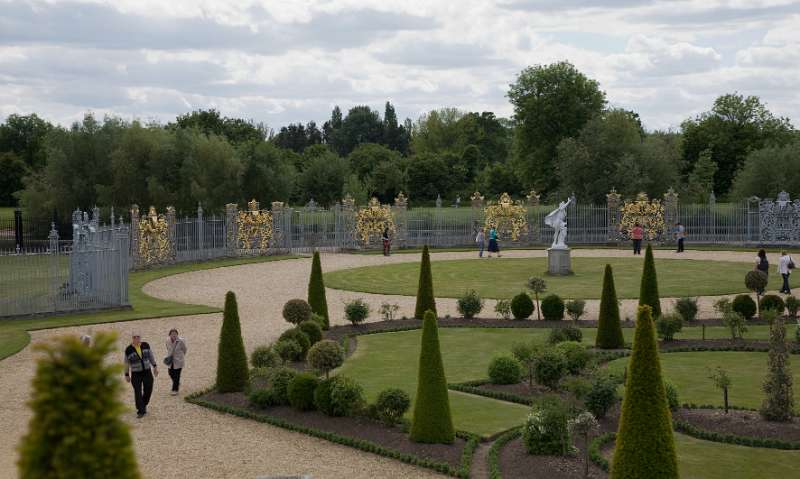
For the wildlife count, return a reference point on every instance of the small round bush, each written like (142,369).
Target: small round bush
(668,326)
(312,329)
(558,335)
(296,311)
(575,309)
(686,308)
(264,357)
(756,280)
(672,396)
(278,381)
(504,370)
(792,305)
(288,350)
(601,397)
(470,304)
(503,308)
(356,311)
(576,354)
(546,431)
(325,356)
(391,405)
(347,397)
(299,336)
(322,396)
(773,302)
(744,305)
(521,306)
(550,367)
(300,391)
(552,308)
(262,398)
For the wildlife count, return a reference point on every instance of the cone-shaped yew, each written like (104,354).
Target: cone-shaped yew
(232,372)
(609,330)
(316,291)
(425,299)
(648,293)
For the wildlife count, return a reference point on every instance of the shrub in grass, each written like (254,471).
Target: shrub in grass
(316,292)
(686,308)
(503,308)
(601,396)
(609,330)
(288,350)
(550,367)
(538,286)
(470,304)
(723,382)
(347,397)
(278,381)
(232,371)
(76,430)
(432,422)
(673,400)
(296,334)
(504,370)
(391,405)
(575,309)
(792,305)
(668,326)
(778,402)
(426,301)
(311,329)
(296,311)
(325,356)
(645,446)
(526,354)
(648,293)
(356,311)
(559,335)
(756,281)
(576,355)
(300,391)
(773,302)
(521,306)
(388,311)
(545,431)
(577,385)
(264,357)
(552,308)
(744,305)
(262,398)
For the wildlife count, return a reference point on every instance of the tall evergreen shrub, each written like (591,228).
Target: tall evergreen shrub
(76,430)
(425,299)
(232,373)
(648,293)
(316,291)
(645,446)
(432,422)
(609,330)
(778,402)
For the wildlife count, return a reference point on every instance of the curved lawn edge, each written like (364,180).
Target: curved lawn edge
(494,452)
(747,441)
(15,333)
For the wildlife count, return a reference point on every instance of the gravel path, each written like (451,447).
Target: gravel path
(179,440)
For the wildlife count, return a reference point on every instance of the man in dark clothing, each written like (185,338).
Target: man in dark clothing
(140,367)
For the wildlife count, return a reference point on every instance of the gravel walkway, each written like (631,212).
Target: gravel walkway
(180,440)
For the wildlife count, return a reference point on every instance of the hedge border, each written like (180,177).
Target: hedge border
(594,450)
(471,387)
(748,441)
(462,471)
(494,451)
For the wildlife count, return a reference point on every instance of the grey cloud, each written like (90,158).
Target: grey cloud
(568,5)
(671,14)
(440,55)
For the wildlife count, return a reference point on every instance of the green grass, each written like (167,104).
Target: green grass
(699,459)
(14,332)
(504,277)
(689,372)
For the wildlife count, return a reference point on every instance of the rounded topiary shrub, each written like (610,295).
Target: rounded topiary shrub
(550,367)
(288,350)
(322,396)
(297,335)
(356,311)
(262,398)
(559,335)
(552,308)
(325,356)
(576,355)
(296,311)
(773,302)
(264,357)
(756,281)
(601,397)
(470,304)
(668,325)
(312,329)
(792,305)
(521,306)
(347,397)
(278,381)
(687,308)
(744,305)
(300,391)
(392,404)
(504,370)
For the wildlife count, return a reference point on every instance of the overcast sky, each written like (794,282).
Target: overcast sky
(287,61)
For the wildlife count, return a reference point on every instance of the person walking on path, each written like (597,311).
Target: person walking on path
(176,355)
(480,240)
(637,233)
(680,234)
(140,368)
(762,264)
(494,247)
(785,267)
(387,243)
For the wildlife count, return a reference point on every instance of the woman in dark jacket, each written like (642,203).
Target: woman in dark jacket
(140,368)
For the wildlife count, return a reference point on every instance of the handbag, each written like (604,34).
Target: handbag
(168,360)
(791,263)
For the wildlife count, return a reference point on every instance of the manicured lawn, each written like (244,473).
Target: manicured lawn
(504,277)
(14,332)
(689,372)
(711,460)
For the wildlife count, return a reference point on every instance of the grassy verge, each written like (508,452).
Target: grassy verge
(623,247)
(14,332)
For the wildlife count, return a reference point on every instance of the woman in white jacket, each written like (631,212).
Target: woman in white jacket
(785,267)
(176,355)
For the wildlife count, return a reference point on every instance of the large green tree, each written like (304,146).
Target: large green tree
(210,173)
(362,124)
(367,156)
(211,122)
(12,172)
(297,137)
(768,171)
(428,175)
(268,173)
(551,102)
(323,177)
(24,135)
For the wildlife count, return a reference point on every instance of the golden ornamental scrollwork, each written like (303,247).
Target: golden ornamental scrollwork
(648,213)
(373,219)
(254,228)
(155,244)
(507,216)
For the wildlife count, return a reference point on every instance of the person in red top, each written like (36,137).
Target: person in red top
(637,233)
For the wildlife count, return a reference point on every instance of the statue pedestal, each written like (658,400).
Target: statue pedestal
(558,261)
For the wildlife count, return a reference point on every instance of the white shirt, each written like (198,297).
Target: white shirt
(783,264)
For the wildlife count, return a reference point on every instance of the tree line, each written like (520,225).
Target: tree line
(563,138)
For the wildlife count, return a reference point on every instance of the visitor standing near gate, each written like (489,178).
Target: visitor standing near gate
(762,264)
(494,247)
(637,233)
(140,368)
(785,267)
(680,234)
(387,243)
(176,356)
(480,240)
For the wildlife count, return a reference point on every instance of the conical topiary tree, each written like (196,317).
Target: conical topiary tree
(648,293)
(316,291)
(232,372)
(425,299)
(645,446)
(432,422)
(609,330)
(76,430)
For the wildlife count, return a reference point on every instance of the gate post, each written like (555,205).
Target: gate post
(18,236)
(613,201)
(670,212)
(231,228)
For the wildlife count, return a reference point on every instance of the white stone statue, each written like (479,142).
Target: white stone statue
(557,219)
